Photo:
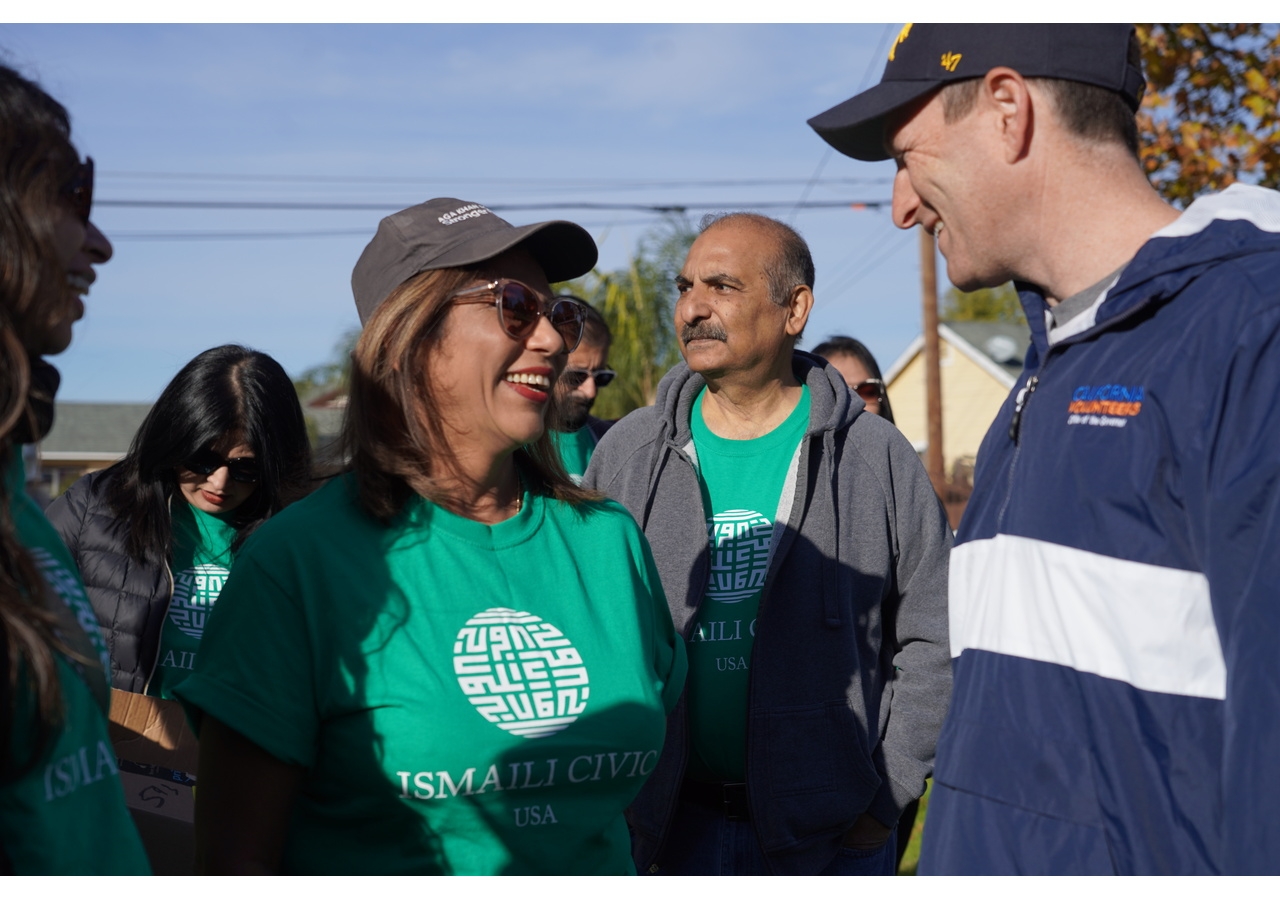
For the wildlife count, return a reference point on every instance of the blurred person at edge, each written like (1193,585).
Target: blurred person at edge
(1113,585)
(577,432)
(861,372)
(223,448)
(62,807)
(450,659)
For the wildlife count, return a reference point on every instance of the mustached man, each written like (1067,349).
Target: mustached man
(804,556)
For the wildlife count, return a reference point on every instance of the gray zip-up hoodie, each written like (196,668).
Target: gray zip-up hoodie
(850,669)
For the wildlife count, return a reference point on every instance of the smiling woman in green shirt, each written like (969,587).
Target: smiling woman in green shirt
(62,808)
(450,659)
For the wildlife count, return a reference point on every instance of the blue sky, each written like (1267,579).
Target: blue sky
(393,115)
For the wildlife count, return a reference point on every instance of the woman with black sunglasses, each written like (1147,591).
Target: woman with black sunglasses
(222,449)
(62,808)
(450,659)
(851,358)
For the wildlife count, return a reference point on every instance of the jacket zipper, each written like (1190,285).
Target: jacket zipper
(156,662)
(1024,397)
(1015,429)
(168,569)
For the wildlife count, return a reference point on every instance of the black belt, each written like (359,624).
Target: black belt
(730,799)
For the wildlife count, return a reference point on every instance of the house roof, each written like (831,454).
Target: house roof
(101,431)
(1004,343)
(997,347)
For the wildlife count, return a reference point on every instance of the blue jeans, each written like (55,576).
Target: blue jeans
(703,842)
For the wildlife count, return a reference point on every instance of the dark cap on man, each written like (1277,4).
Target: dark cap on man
(927,56)
(447,233)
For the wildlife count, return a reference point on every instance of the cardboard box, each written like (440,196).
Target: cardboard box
(153,731)
(158,756)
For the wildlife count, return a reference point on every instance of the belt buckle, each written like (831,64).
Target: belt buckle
(733,798)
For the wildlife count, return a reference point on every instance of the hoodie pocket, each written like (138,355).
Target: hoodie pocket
(817,749)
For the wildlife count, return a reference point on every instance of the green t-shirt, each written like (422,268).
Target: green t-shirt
(67,815)
(200,566)
(742,483)
(465,698)
(575,449)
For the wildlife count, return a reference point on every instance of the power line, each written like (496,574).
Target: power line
(308,206)
(866,264)
(804,195)
(541,183)
(826,155)
(117,236)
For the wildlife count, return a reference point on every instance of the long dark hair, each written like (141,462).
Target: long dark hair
(37,161)
(228,390)
(392,432)
(843,345)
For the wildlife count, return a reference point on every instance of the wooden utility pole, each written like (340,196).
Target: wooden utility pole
(932,372)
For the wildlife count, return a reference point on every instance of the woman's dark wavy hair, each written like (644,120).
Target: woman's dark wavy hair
(392,433)
(37,161)
(843,345)
(228,390)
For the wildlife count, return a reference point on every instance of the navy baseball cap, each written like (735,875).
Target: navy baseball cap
(924,57)
(447,233)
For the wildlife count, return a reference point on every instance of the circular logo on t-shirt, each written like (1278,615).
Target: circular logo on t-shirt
(520,673)
(195,590)
(740,540)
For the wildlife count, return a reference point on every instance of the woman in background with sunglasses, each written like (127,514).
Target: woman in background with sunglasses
(450,659)
(222,449)
(854,361)
(62,809)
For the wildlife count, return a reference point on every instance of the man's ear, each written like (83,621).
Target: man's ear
(1005,93)
(799,305)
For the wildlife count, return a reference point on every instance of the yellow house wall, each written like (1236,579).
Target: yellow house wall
(970,400)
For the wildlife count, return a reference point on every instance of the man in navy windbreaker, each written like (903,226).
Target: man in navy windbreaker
(1115,585)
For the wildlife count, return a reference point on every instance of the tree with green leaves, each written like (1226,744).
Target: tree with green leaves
(328,378)
(1209,117)
(638,303)
(997,304)
(332,374)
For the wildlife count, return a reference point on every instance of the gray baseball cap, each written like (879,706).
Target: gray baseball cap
(446,232)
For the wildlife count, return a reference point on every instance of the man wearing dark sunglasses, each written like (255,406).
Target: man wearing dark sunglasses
(588,370)
(804,557)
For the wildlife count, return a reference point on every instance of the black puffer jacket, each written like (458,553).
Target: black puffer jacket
(130,597)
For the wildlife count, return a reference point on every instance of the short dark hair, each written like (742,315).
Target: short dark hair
(1087,111)
(792,264)
(843,345)
(227,390)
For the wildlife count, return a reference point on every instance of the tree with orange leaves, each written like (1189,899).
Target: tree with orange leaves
(1210,116)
